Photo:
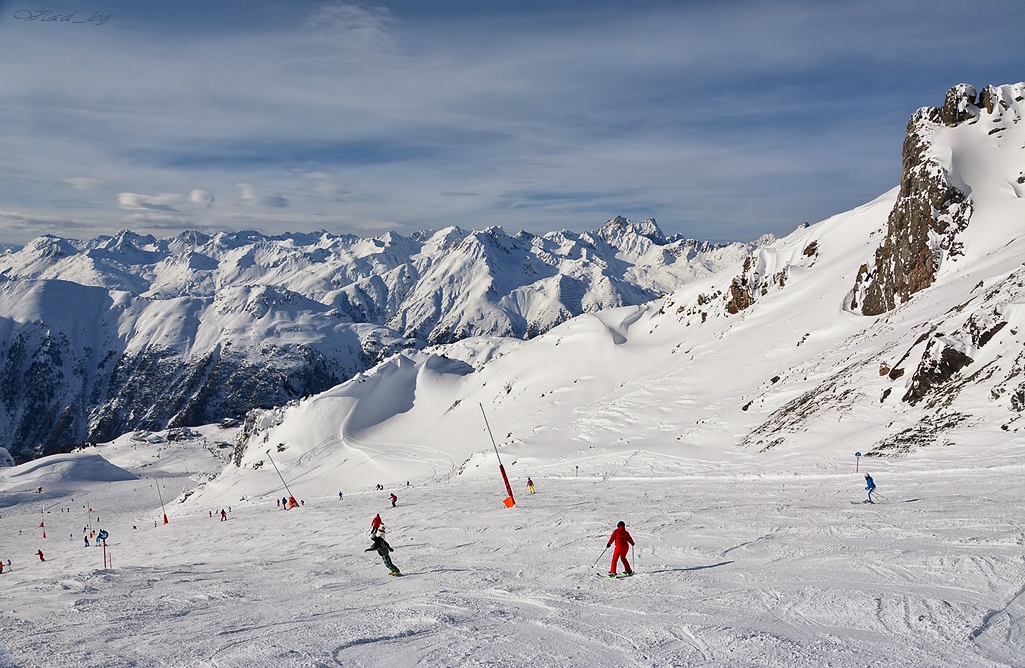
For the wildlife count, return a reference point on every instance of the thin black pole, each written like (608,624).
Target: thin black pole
(501,468)
(279,475)
(161,497)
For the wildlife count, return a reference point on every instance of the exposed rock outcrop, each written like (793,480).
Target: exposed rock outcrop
(927,218)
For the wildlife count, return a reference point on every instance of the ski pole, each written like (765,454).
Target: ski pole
(600,556)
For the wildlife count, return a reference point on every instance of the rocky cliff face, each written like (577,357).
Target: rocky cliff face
(950,254)
(106,336)
(924,226)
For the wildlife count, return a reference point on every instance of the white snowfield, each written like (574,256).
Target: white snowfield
(733,568)
(725,442)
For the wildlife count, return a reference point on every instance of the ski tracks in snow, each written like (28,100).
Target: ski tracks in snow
(732,570)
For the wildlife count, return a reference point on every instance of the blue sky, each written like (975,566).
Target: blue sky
(723,120)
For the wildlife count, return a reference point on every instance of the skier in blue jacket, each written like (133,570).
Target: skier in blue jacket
(870,486)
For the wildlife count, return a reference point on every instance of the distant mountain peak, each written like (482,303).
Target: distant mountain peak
(614,231)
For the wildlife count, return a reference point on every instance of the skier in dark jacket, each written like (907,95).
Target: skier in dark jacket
(381,546)
(623,540)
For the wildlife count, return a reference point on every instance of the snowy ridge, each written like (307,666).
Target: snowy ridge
(128,332)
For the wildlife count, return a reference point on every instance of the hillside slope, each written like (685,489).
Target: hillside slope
(102,337)
(769,361)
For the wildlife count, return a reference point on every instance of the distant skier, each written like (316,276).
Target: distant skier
(87,541)
(224,515)
(870,486)
(530,485)
(41,557)
(339,496)
(376,524)
(393,499)
(621,537)
(381,546)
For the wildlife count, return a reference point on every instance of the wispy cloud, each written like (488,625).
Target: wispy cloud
(162,202)
(201,198)
(354,28)
(724,120)
(82,182)
(248,196)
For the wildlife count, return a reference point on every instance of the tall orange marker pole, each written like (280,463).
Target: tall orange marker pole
(510,501)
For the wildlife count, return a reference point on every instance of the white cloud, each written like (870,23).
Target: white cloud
(201,198)
(324,184)
(248,196)
(246,193)
(162,202)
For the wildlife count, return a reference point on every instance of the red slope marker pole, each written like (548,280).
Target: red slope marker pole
(509,501)
(161,497)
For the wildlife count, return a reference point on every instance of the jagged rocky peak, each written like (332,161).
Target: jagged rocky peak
(621,231)
(960,105)
(926,225)
(964,104)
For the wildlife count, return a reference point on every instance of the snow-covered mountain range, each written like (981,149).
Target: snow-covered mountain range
(114,334)
(894,326)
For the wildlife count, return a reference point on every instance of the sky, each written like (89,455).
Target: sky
(722,120)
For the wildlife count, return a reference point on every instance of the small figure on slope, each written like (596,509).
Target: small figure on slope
(530,485)
(376,524)
(623,540)
(381,546)
(224,515)
(39,553)
(870,486)
(393,499)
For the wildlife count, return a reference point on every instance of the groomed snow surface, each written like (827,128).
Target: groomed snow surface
(735,567)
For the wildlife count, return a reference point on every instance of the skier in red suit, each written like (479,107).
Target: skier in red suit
(375,524)
(621,537)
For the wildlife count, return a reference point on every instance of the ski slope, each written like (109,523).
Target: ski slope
(735,567)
